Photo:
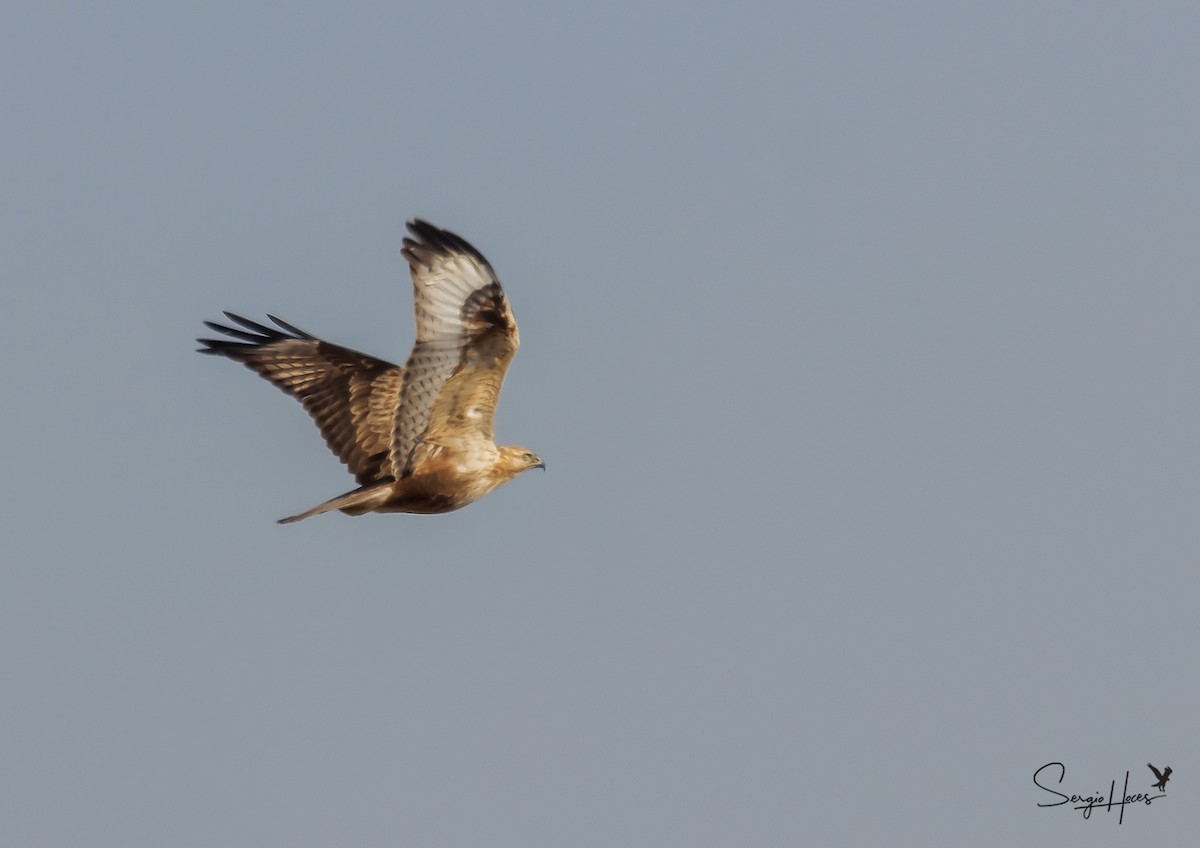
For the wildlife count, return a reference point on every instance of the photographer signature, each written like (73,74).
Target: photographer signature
(1096,800)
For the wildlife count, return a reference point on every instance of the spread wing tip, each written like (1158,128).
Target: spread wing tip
(442,241)
(253,334)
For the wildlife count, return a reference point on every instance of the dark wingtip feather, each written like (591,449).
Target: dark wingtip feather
(252,325)
(253,338)
(290,328)
(440,240)
(254,335)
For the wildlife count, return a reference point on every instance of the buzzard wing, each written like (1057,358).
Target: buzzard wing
(352,397)
(466,338)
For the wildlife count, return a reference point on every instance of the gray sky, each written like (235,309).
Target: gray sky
(860,342)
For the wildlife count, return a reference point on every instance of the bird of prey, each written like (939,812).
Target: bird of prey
(418,438)
(1163,776)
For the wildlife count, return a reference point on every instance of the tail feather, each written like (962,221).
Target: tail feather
(358,501)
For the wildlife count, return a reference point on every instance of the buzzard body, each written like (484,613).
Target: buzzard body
(417,438)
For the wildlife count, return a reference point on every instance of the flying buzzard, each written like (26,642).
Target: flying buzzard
(418,438)
(1163,776)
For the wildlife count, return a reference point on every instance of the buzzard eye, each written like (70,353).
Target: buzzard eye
(528,456)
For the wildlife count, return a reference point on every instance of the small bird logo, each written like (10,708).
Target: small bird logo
(1163,776)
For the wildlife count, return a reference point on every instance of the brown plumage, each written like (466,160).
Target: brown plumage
(417,438)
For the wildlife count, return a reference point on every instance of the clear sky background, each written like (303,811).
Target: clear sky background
(861,342)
